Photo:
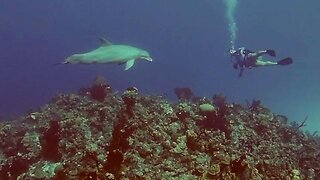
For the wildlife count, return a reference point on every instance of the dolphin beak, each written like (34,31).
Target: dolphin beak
(147,58)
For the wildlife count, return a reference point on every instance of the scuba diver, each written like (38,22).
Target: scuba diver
(245,58)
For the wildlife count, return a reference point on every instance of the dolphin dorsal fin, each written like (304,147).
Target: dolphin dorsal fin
(105,42)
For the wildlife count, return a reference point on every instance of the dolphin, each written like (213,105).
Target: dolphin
(108,53)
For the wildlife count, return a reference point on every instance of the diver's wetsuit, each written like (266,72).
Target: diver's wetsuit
(247,59)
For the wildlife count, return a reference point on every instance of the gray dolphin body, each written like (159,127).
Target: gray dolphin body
(108,53)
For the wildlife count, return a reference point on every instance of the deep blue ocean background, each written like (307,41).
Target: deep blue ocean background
(188,40)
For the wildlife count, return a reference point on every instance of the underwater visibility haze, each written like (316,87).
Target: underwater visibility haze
(187,39)
(151,89)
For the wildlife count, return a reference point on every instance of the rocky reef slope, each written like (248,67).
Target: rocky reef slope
(98,134)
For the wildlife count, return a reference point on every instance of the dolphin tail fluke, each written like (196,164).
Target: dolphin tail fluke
(129,64)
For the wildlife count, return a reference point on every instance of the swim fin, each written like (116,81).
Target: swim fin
(285,61)
(271,52)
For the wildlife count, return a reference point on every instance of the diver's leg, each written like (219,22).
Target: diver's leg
(257,54)
(262,62)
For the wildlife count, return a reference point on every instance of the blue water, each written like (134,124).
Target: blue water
(188,40)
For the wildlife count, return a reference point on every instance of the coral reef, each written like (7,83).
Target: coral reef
(184,93)
(97,134)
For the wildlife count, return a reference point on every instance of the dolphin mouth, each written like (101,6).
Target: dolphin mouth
(147,58)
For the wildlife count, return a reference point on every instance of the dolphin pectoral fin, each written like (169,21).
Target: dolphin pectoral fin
(105,42)
(129,64)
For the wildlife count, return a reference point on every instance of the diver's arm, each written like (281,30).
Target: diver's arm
(241,72)
(235,66)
